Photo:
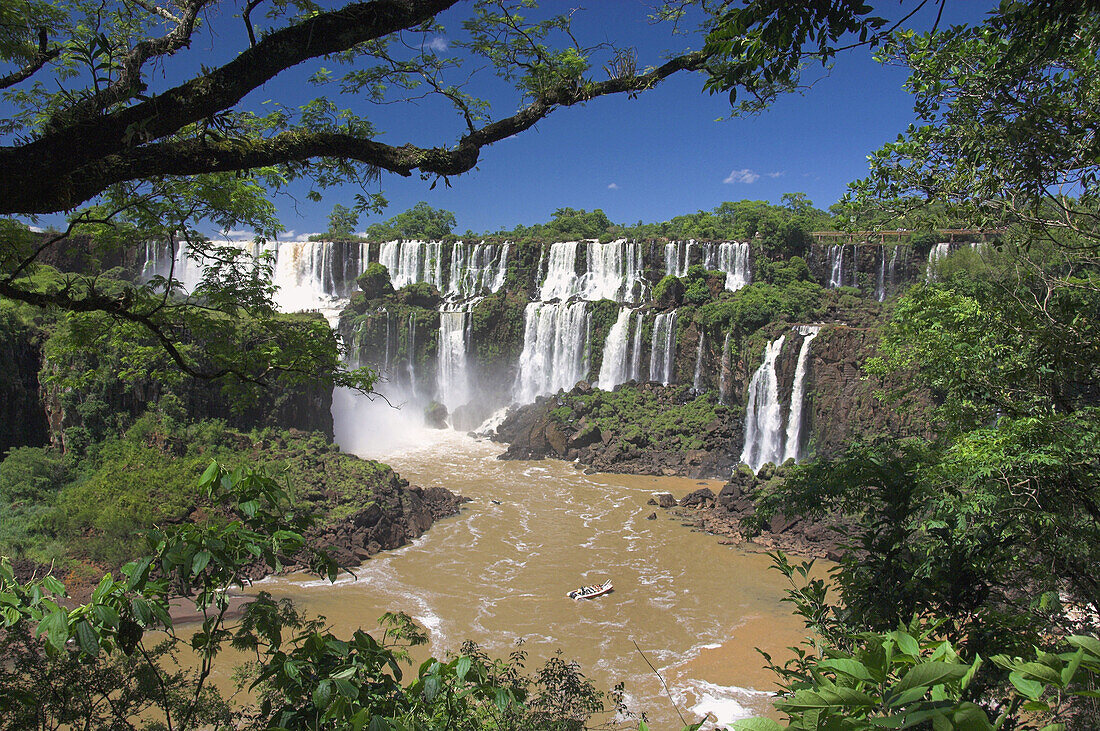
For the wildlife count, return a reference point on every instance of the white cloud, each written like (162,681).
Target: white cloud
(613,186)
(742,176)
(437,44)
(776,174)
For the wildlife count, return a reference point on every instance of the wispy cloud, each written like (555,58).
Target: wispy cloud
(742,176)
(437,44)
(613,186)
(776,174)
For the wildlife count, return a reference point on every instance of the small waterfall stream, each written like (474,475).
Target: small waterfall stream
(724,374)
(662,354)
(793,449)
(763,415)
(697,380)
(836,265)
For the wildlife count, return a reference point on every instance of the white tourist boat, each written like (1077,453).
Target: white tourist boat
(592,591)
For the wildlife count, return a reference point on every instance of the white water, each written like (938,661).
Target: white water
(733,259)
(453,373)
(636,349)
(475,268)
(662,354)
(793,450)
(697,380)
(555,348)
(614,271)
(615,368)
(836,265)
(409,262)
(935,254)
(763,415)
(724,375)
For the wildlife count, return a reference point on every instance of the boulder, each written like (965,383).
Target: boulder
(665,500)
(435,415)
(703,497)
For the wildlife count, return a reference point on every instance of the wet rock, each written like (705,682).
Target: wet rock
(435,415)
(665,500)
(651,516)
(703,497)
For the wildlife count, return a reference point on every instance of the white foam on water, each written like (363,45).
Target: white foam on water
(725,703)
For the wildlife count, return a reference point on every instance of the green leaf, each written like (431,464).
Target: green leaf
(199,562)
(1090,645)
(322,694)
(56,628)
(848,666)
(754,724)
(1030,688)
(971,717)
(462,667)
(906,643)
(87,638)
(930,673)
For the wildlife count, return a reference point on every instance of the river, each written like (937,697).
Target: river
(498,573)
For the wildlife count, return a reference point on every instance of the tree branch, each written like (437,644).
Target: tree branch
(41,59)
(202,155)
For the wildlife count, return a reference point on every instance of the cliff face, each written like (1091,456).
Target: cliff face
(22,416)
(841,401)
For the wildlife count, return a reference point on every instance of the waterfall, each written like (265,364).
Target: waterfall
(475,268)
(614,271)
(561,272)
(880,286)
(413,261)
(636,350)
(836,263)
(678,257)
(763,416)
(793,449)
(724,375)
(410,352)
(662,354)
(453,377)
(733,259)
(615,367)
(555,348)
(935,254)
(886,273)
(697,381)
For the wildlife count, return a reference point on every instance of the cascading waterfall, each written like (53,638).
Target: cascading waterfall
(614,271)
(615,368)
(556,328)
(935,254)
(763,415)
(475,268)
(678,257)
(453,376)
(724,375)
(410,347)
(697,381)
(636,349)
(662,354)
(555,348)
(413,261)
(836,265)
(733,259)
(793,449)
(886,274)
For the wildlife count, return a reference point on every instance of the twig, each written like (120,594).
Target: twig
(661,678)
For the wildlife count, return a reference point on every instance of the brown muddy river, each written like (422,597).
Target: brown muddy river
(499,572)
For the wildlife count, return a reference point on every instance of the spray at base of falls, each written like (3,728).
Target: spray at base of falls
(768,437)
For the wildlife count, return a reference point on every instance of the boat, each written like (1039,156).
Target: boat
(592,591)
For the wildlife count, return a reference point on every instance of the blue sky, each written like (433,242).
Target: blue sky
(666,152)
